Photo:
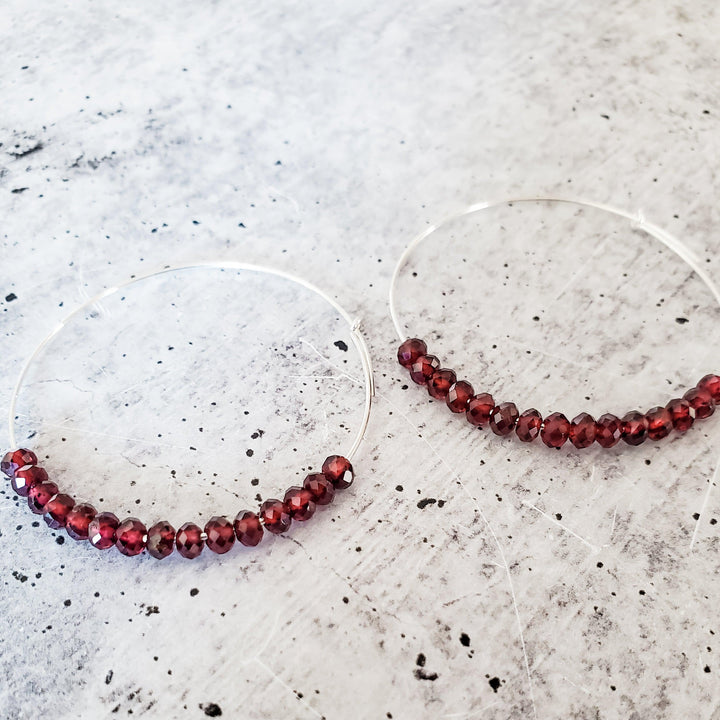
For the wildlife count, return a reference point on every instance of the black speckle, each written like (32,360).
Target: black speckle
(19,576)
(425,502)
(606,117)
(420,662)
(420,674)
(68,602)
(29,151)
(399,488)
(213,710)
(60,540)
(465,639)
(10,297)
(151,610)
(17,191)
(194,592)
(254,482)
(494,683)
(558,516)
(599,564)
(346,600)
(696,516)
(707,668)
(249,452)
(341,345)
(109,677)
(681,320)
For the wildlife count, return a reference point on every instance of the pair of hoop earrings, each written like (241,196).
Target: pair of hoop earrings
(130,536)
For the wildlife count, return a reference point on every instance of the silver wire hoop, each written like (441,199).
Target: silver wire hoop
(671,242)
(357,338)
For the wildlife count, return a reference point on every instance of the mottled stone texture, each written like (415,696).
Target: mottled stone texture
(463,575)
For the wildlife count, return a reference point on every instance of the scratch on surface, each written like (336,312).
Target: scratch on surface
(275,676)
(612,526)
(555,521)
(473,713)
(711,484)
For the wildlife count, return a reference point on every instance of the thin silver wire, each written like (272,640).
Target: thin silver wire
(357,338)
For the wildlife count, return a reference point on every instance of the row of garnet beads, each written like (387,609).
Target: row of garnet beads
(555,430)
(104,530)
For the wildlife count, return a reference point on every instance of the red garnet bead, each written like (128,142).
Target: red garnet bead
(682,414)
(17,459)
(161,540)
(423,369)
(503,418)
(130,537)
(24,479)
(528,425)
(300,503)
(711,384)
(275,516)
(101,531)
(57,510)
(634,428)
(189,540)
(701,402)
(555,431)
(410,351)
(78,521)
(659,422)
(459,396)
(582,431)
(480,409)
(440,383)
(39,495)
(608,430)
(220,534)
(338,471)
(322,490)
(248,528)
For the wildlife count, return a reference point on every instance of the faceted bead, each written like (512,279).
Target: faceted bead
(189,540)
(300,503)
(338,471)
(24,479)
(161,540)
(582,431)
(459,396)
(101,531)
(440,383)
(682,414)
(57,509)
(39,495)
(78,521)
(248,528)
(479,409)
(220,534)
(322,490)
(130,537)
(275,516)
(423,369)
(503,418)
(410,351)
(634,428)
(659,422)
(701,402)
(556,430)
(711,384)
(16,459)
(528,425)
(608,430)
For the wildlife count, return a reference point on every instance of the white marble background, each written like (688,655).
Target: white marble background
(319,138)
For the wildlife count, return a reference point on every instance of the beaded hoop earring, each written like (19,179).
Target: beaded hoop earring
(554,429)
(130,536)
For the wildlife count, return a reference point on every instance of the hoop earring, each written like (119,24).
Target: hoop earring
(130,536)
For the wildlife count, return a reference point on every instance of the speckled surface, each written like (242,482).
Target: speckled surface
(461,576)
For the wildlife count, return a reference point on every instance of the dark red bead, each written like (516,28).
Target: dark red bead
(440,383)
(701,402)
(130,537)
(339,471)
(711,384)
(161,540)
(503,418)
(423,369)
(323,491)
(634,428)
(682,414)
(39,495)
(25,478)
(582,431)
(608,430)
(57,510)
(410,351)
(659,423)
(480,409)
(528,425)
(459,396)
(556,430)
(248,528)
(78,521)
(300,503)
(275,516)
(17,459)
(101,531)
(220,535)
(189,541)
